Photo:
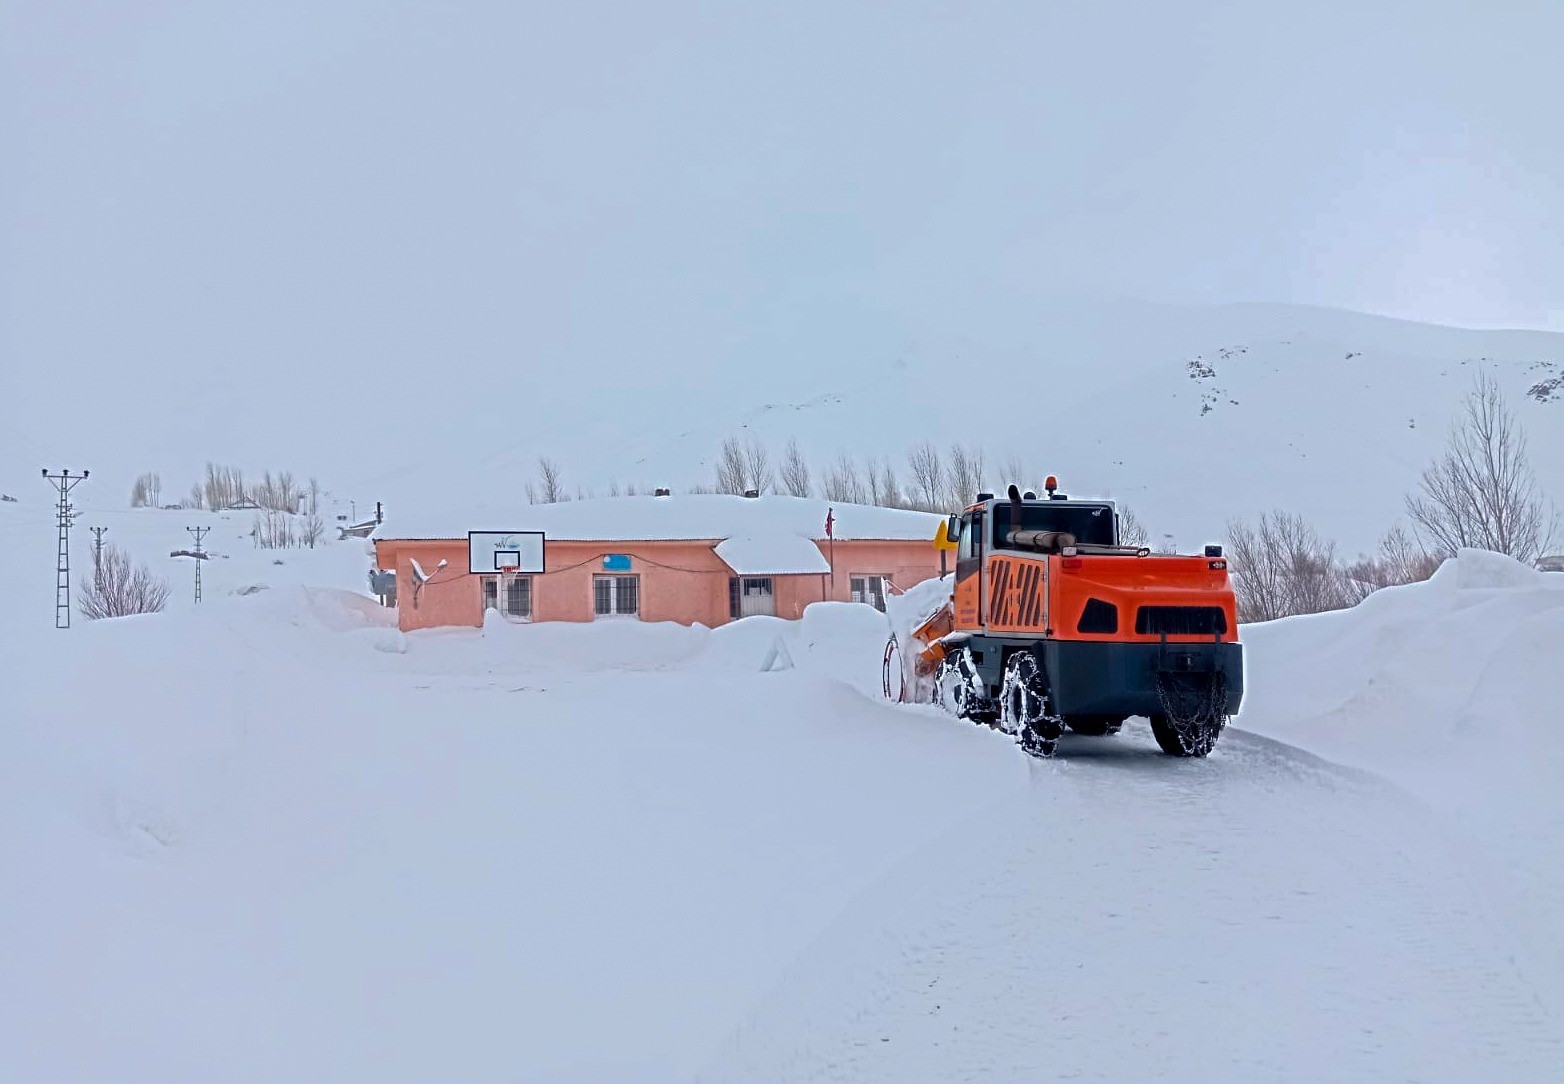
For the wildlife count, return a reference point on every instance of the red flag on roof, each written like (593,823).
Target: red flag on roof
(830,520)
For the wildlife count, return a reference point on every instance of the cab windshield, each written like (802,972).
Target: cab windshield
(1091,524)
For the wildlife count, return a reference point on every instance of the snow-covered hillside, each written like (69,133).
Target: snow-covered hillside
(274,838)
(1190,415)
(150,535)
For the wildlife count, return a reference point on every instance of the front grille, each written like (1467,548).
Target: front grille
(1180,621)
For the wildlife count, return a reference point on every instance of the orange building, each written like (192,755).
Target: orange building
(695,559)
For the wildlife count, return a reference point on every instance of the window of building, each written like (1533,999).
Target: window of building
(751,595)
(870,590)
(616,596)
(510,595)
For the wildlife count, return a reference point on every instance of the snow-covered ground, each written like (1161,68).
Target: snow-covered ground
(274,838)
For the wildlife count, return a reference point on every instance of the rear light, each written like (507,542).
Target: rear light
(1070,563)
(1217,566)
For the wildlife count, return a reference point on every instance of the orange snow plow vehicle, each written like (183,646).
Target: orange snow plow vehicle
(1054,625)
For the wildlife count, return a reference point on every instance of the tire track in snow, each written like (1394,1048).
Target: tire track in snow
(1264,914)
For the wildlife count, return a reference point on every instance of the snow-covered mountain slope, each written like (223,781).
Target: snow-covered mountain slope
(275,838)
(1191,415)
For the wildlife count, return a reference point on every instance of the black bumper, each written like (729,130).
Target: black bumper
(1121,679)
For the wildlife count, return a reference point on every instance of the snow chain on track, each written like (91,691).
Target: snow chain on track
(1196,715)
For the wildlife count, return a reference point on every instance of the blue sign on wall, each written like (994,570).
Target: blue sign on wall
(616,562)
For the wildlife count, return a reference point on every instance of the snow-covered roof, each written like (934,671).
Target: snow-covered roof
(772,555)
(687,516)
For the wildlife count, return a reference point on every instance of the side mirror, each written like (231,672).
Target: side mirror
(949,534)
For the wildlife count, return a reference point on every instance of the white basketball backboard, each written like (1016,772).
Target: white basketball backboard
(489,552)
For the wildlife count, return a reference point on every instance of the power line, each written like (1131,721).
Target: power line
(63,484)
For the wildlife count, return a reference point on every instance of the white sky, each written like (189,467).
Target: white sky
(259,226)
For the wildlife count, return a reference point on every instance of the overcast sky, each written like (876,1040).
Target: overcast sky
(263,223)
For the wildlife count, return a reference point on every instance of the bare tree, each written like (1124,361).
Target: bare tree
(891,495)
(265,494)
(795,471)
(1016,472)
(757,467)
(314,491)
(1481,492)
(147,492)
(1281,567)
(732,468)
(928,476)
(195,498)
(1132,530)
(314,527)
(1401,560)
(964,477)
(844,483)
(274,531)
(118,589)
(287,492)
(223,487)
(551,486)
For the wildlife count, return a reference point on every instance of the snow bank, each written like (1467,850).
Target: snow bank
(275,839)
(1454,690)
(1405,678)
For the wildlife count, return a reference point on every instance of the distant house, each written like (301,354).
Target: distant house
(704,559)
(243,504)
(1554,562)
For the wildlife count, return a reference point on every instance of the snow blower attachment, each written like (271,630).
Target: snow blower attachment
(1054,625)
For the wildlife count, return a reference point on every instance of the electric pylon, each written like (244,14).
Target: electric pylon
(97,554)
(199,555)
(63,483)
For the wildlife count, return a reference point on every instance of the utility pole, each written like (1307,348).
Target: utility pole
(97,553)
(199,555)
(63,483)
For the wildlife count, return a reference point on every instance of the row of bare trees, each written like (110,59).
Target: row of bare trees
(225,487)
(147,491)
(934,480)
(1480,493)
(281,530)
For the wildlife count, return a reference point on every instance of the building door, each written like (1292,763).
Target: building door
(616,597)
(749,596)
